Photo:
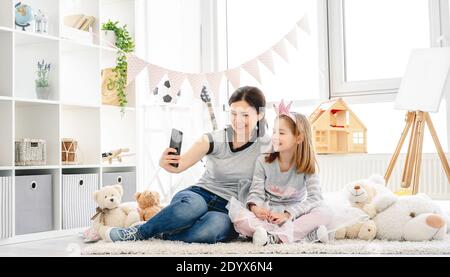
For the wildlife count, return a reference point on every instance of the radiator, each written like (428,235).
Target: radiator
(6,207)
(338,170)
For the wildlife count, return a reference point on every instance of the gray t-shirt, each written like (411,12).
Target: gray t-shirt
(296,193)
(227,169)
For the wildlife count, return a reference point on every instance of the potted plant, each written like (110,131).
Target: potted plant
(125,43)
(42,81)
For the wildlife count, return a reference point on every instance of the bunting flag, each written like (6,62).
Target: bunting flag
(213,79)
(234,76)
(267,60)
(155,74)
(253,69)
(197,81)
(135,66)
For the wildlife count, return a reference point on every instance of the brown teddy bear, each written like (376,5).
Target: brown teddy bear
(149,204)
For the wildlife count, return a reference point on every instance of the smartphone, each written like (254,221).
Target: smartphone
(176,139)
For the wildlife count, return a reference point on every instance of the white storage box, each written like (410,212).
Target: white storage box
(31,152)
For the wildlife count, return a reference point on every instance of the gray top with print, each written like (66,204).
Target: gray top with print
(284,191)
(227,169)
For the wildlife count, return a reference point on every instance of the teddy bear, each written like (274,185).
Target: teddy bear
(149,204)
(361,194)
(111,212)
(410,218)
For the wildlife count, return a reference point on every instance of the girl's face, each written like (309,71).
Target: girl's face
(243,118)
(283,138)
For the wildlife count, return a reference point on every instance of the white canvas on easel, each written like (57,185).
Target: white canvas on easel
(425,80)
(424,84)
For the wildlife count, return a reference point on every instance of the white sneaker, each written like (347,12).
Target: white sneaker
(262,238)
(318,235)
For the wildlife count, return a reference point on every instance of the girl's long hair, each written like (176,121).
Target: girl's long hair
(304,156)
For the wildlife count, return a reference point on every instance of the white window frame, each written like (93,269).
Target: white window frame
(383,89)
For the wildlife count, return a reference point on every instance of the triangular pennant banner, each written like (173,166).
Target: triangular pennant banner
(253,69)
(135,66)
(280,49)
(304,24)
(292,38)
(176,80)
(197,81)
(267,60)
(155,74)
(234,76)
(214,80)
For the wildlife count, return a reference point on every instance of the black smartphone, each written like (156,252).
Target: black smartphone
(176,139)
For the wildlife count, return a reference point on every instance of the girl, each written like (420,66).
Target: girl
(284,203)
(198,213)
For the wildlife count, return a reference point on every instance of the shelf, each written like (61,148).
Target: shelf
(6,133)
(30,38)
(6,58)
(37,167)
(107,166)
(80,166)
(28,51)
(50,8)
(118,131)
(80,74)
(36,101)
(5,168)
(83,125)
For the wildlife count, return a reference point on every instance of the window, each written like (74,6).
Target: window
(253,26)
(367,35)
(358,138)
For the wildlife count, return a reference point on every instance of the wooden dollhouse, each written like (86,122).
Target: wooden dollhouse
(336,129)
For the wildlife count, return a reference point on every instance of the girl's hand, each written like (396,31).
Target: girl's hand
(168,158)
(260,213)
(279,218)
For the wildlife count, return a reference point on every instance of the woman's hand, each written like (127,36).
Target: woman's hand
(279,218)
(259,212)
(168,158)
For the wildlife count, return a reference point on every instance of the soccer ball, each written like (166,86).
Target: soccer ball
(163,95)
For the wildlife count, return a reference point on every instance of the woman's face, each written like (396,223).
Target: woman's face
(282,138)
(243,118)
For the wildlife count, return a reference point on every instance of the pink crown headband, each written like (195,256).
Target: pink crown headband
(285,110)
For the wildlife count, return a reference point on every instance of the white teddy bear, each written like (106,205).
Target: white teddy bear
(410,218)
(111,212)
(362,194)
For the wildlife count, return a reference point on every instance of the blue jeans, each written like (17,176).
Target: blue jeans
(194,215)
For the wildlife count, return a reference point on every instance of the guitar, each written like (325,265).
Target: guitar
(207,99)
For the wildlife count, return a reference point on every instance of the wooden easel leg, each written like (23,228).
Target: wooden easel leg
(418,155)
(438,146)
(409,162)
(409,121)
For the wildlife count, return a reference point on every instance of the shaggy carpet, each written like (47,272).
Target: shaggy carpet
(156,247)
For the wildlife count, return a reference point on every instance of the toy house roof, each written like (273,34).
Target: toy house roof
(328,106)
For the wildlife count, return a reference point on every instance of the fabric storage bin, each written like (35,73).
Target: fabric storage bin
(34,204)
(6,207)
(126,179)
(77,203)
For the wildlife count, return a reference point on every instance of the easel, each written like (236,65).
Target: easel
(411,172)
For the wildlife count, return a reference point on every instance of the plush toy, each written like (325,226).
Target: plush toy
(149,204)
(410,218)
(111,212)
(361,194)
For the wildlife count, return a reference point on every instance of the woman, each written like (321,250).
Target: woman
(199,213)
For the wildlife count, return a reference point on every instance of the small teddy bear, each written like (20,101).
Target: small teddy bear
(149,204)
(361,195)
(111,212)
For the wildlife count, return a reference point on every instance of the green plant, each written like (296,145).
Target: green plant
(125,43)
(43,74)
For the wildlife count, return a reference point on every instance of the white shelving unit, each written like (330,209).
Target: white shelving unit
(74,108)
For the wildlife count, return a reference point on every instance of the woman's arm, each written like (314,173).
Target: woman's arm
(188,159)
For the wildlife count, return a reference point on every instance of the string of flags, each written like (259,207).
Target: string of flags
(213,80)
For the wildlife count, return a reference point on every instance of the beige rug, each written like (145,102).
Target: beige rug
(345,247)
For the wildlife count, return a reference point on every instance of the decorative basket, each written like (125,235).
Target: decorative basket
(109,96)
(31,152)
(69,151)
